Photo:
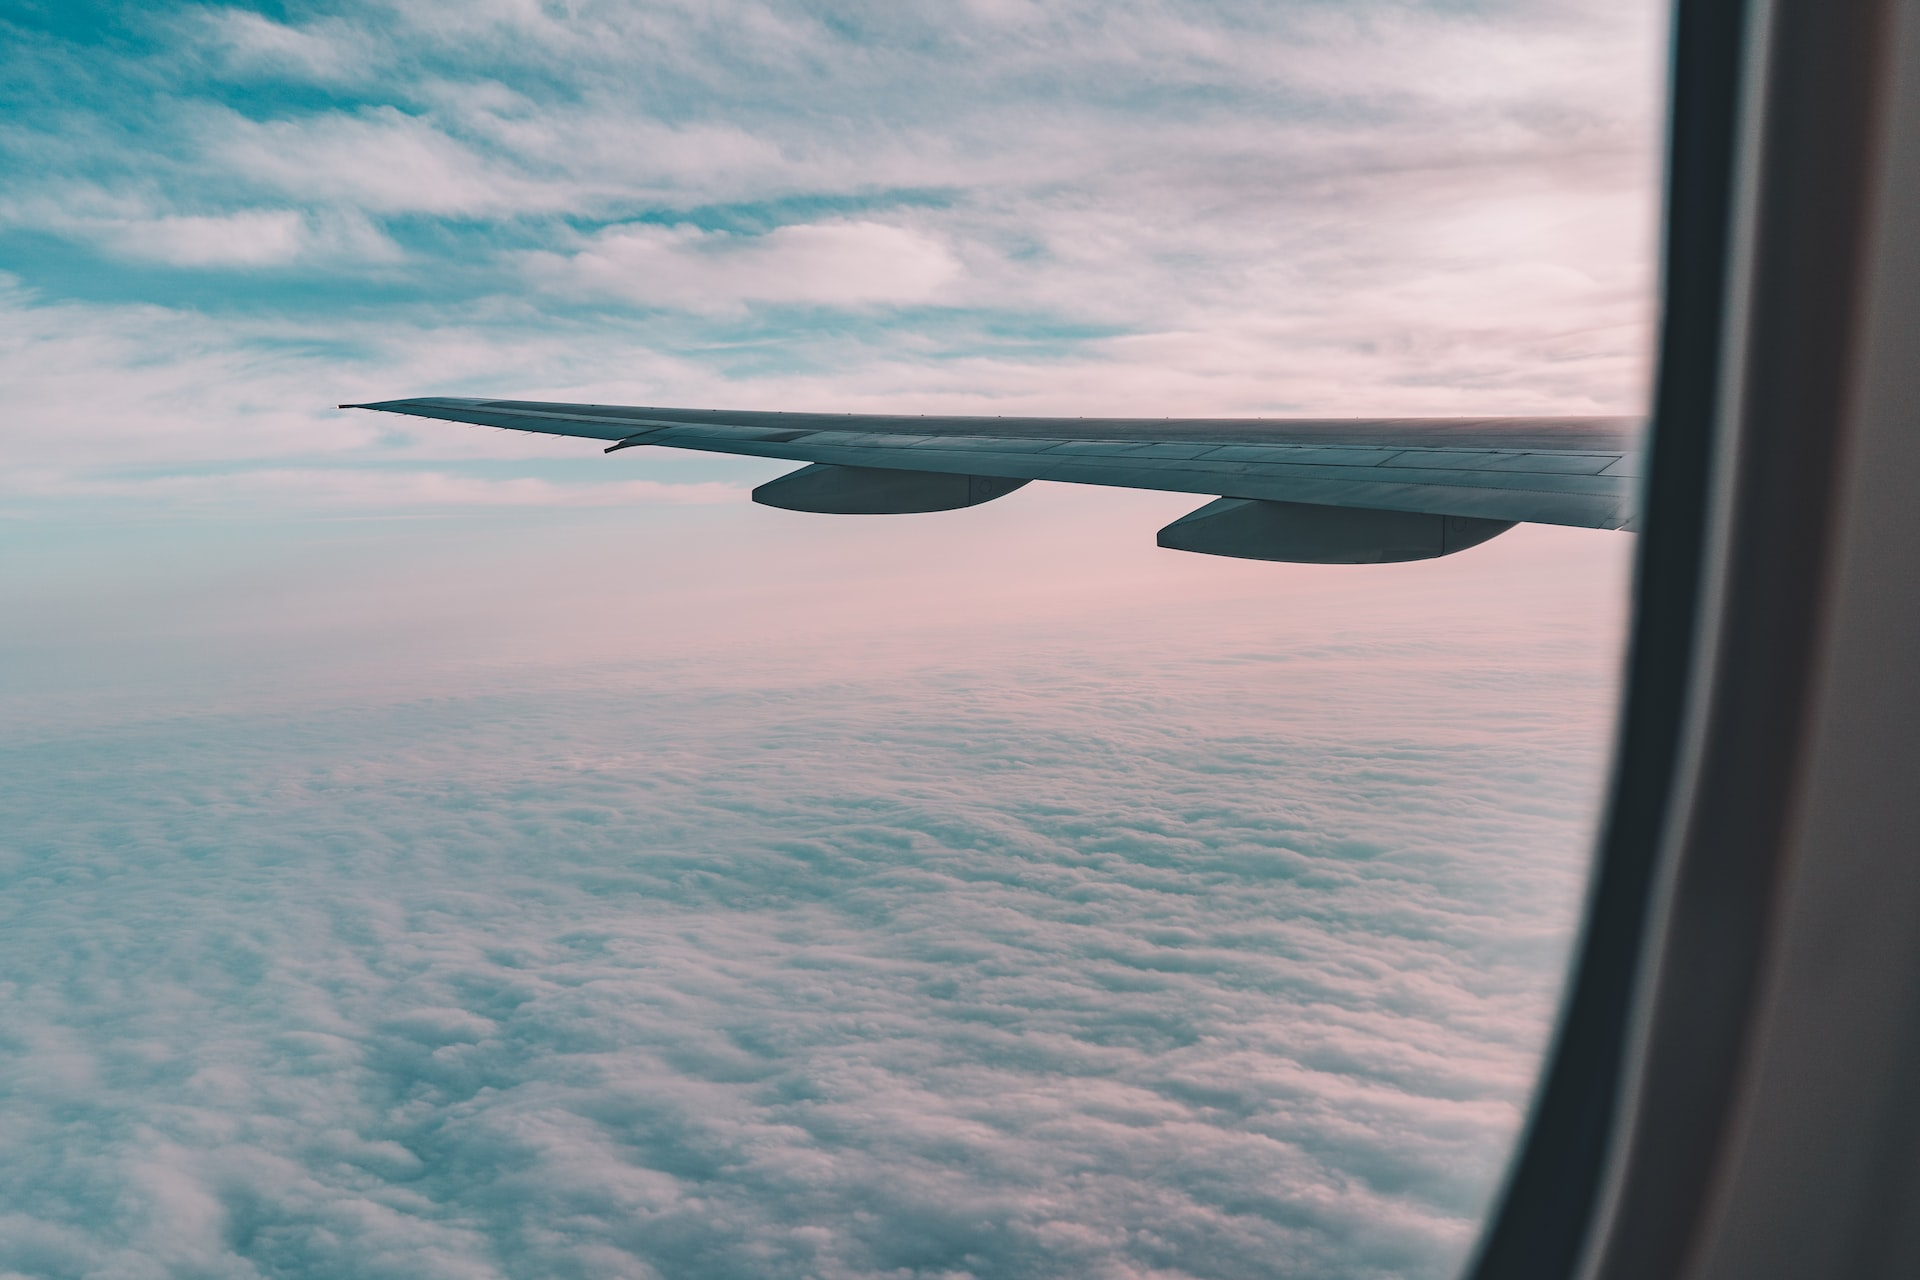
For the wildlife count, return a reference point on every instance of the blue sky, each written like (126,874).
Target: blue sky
(440,852)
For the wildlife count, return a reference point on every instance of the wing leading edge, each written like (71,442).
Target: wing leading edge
(1330,490)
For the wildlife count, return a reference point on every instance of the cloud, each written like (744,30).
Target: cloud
(1132,166)
(994,965)
(253,42)
(833,264)
(381,160)
(251,238)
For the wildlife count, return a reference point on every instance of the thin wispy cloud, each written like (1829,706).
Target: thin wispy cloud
(831,264)
(379,161)
(251,238)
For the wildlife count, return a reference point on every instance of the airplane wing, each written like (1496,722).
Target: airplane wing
(1322,490)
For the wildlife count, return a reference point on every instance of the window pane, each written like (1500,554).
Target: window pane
(437,851)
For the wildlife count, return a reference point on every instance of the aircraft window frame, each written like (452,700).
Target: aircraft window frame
(1644,1156)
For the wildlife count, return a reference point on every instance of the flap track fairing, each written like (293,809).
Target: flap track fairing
(876,491)
(1303,533)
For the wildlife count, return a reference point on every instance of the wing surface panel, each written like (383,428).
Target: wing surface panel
(1571,471)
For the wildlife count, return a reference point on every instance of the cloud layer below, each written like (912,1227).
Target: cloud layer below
(1160,948)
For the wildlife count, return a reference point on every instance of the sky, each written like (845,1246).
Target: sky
(438,852)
